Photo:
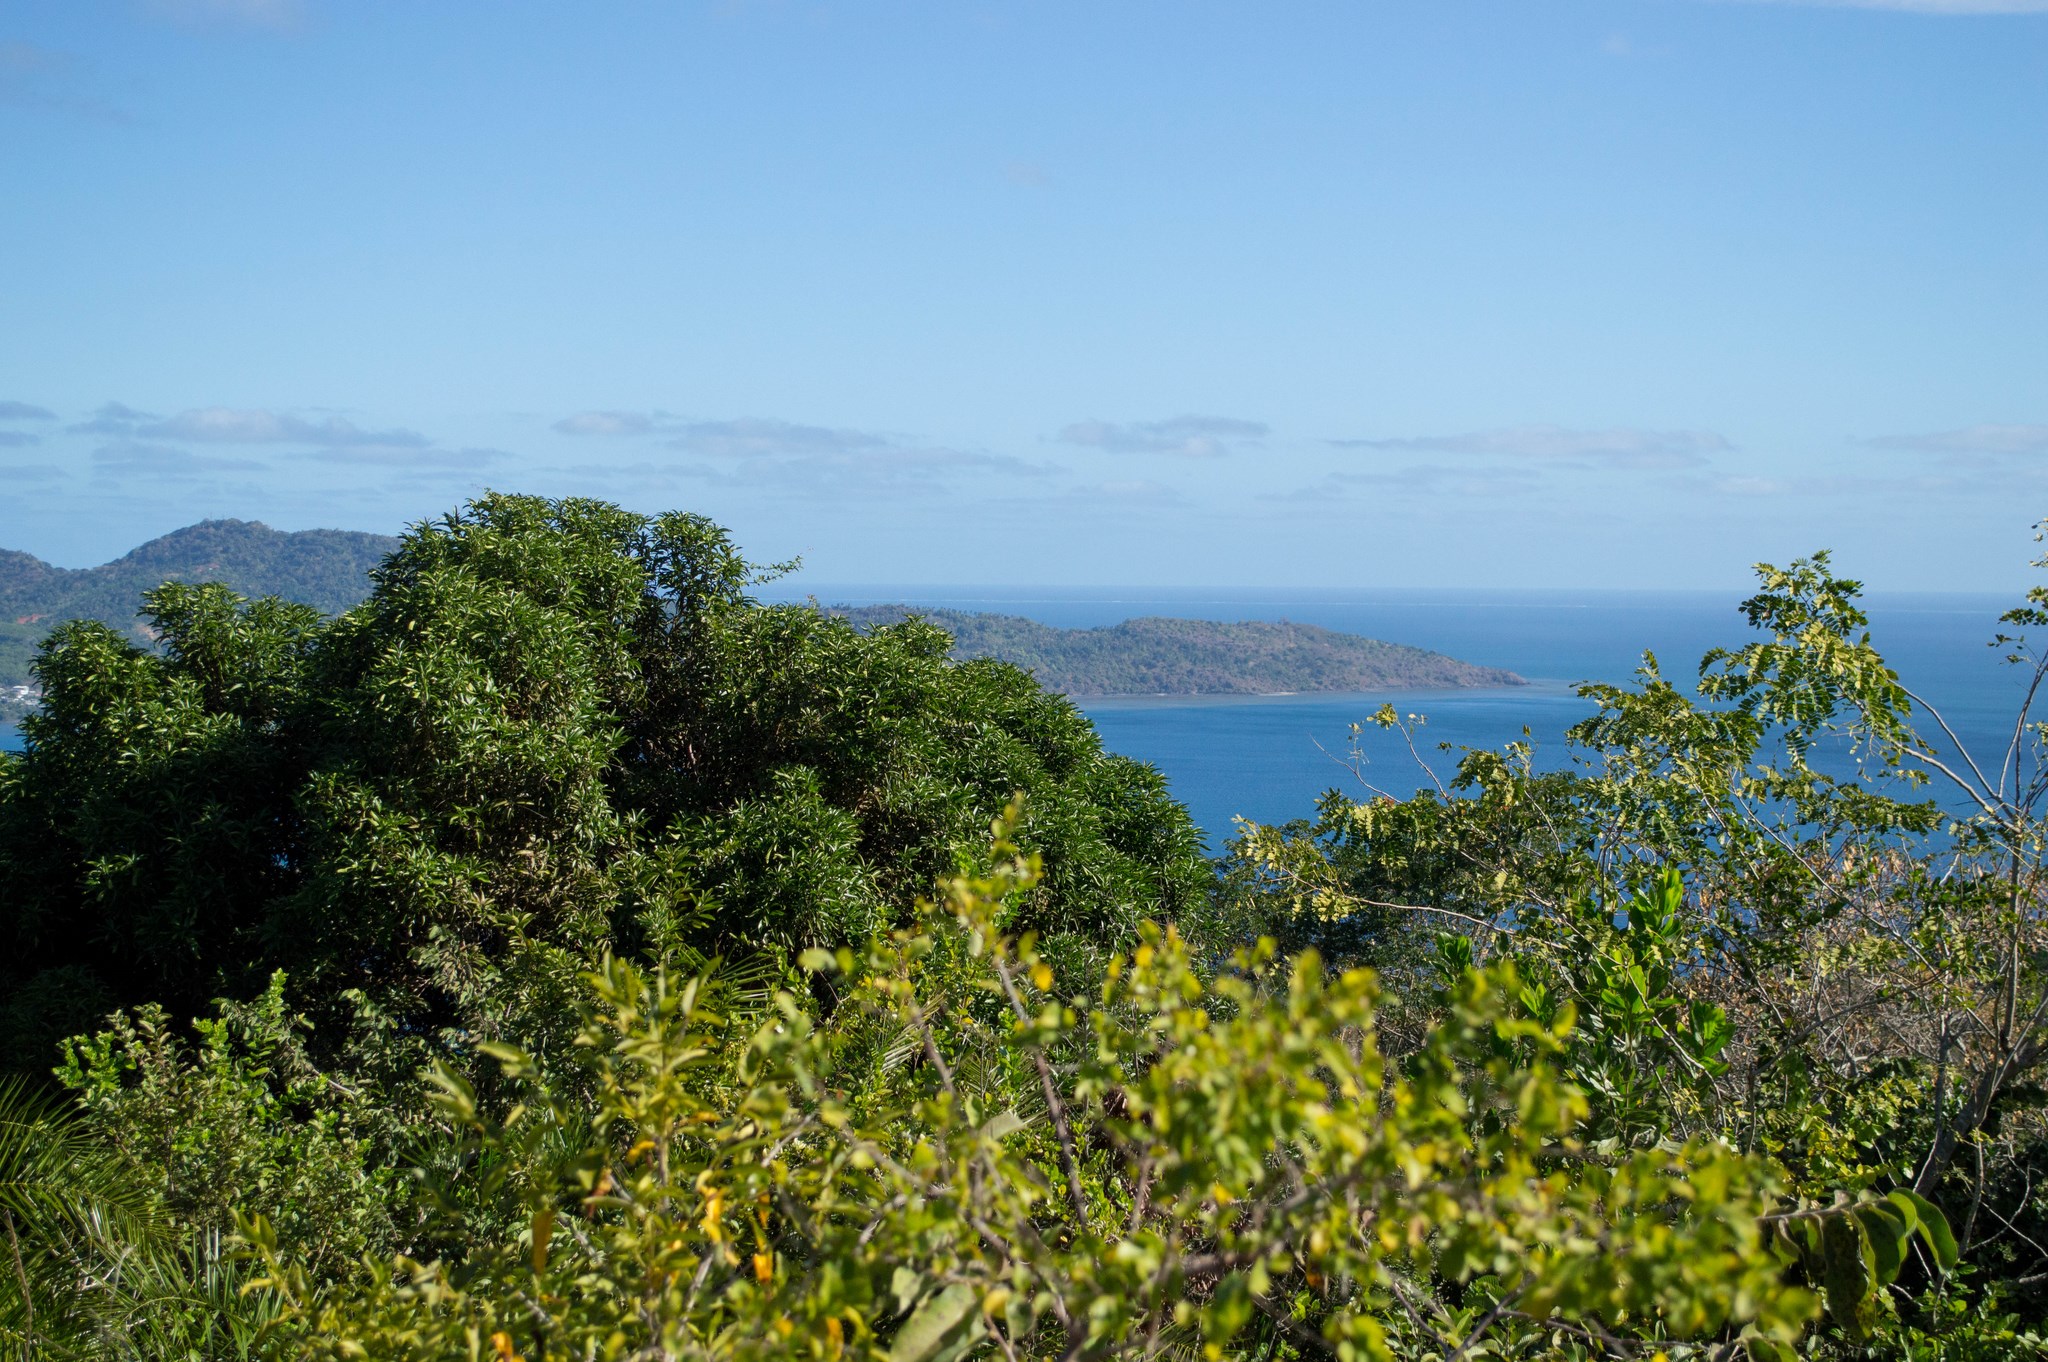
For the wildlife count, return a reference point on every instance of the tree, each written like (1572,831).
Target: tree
(554,728)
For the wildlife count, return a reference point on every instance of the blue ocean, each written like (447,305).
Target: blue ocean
(1268,758)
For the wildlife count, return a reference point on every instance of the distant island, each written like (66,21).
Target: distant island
(328,569)
(1157,656)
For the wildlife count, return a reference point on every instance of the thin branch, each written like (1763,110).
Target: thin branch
(1068,1163)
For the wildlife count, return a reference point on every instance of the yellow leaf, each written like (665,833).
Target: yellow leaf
(543,1231)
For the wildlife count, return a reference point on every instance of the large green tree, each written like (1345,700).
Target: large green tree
(554,728)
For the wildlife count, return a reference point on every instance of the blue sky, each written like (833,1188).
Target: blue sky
(1445,292)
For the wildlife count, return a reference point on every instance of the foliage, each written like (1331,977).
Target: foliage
(1227,1160)
(552,729)
(1848,978)
(246,1125)
(69,1211)
(545,916)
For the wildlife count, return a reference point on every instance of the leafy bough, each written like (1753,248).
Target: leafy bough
(963,1160)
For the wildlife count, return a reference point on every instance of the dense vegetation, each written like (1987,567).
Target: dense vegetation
(1189,657)
(611,966)
(326,569)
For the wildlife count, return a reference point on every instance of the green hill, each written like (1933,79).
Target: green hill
(323,568)
(1191,657)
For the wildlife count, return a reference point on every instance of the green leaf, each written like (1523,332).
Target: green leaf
(905,1286)
(515,1062)
(1229,1310)
(1886,1230)
(1934,1229)
(1845,1274)
(1903,1202)
(926,1332)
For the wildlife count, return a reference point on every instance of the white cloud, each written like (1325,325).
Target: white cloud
(1195,437)
(277,14)
(1620,447)
(1439,480)
(38,78)
(24,411)
(1125,492)
(1980,439)
(645,473)
(20,59)
(1111,498)
(225,425)
(114,418)
(863,472)
(786,459)
(607,423)
(1836,487)
(1925,6)
(137,458)
(753,437)
(410,456)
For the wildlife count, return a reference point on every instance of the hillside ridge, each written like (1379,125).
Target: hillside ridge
(326,569)
(1156,655)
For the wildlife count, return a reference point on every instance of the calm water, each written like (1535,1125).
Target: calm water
(1268,757)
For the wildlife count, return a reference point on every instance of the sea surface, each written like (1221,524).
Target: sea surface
(1268,758)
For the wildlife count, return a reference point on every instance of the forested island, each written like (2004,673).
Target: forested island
(564,954)
(1156,656)
(326,569)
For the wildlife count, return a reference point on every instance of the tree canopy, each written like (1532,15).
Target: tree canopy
(553,728)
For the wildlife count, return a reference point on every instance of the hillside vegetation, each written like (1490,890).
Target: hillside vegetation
(564,956)
(326,569)
(1155,656)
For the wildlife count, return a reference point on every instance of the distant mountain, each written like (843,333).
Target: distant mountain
(328,569)
(1191,657)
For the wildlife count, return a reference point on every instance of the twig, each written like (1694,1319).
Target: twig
(1068,1164)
